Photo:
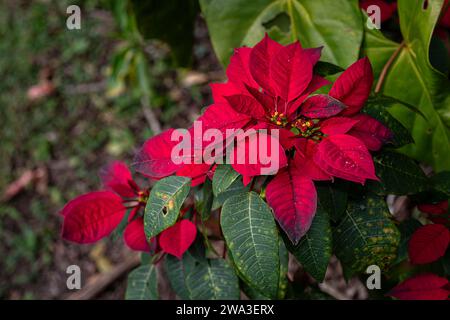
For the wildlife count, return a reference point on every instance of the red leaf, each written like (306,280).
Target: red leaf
(438,208)
(293,199)
(117,177)
(304,159)
(134,236)
(422,287)
(154,159)
(92,216)
(321,106)
(260,58)
(197,172)
(265,100)
(371,132)
(251,160)
(313,54)
(178,238)
(337,125)
(387,10)
(291,71)
(353,86)
(246,105)
(316,83)
(345,157)
(428,243)
(220,90)
(238,71)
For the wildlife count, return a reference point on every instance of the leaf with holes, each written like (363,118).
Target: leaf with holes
(314,249)
(237,23)
(142,284)
(366,235)
(164,204)
(252,238)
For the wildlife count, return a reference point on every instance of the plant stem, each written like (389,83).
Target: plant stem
(387,66)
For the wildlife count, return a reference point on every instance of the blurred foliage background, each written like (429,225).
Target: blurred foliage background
(70,102)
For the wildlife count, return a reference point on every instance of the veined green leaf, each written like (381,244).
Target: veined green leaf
(333,24)
(142,284)
(333,198)
(398,175)
(314,249)
(224,176)
(252,238)
(164,204)
(366,235)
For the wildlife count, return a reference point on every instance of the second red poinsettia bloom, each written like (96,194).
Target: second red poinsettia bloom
(95,215)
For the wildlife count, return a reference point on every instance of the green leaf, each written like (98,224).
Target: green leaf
(441,183)
(412,79)
(324,69)
(164,203)
(314,249)
(196,278)
(334,24)
(153,18)
(398,175)
(284,264)
(333,197)
(213,279)
(236,188)
(378,107)
(224,176)
(204,200)
(366,235)
(252,238)
(142,284)
(178,269)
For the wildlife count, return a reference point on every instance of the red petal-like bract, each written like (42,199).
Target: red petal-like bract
(353,86)
(92,216)
(117,177)
(178,238)
(260,61)
(249,158)
(422,287)
(345,157)
(291,71)
(370,131)
(154,160)
(293,198)
(247,105)
(428,243)
(337,125)
(304,159)
(197,172)
(438,208)
(321,106)
(134,235)
(238,70)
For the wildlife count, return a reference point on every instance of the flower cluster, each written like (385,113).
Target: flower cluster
(322,136)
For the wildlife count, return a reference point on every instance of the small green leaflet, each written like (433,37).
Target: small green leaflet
(224,176)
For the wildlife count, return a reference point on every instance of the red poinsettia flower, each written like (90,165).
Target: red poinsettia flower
(93,216)
(422,287)
(437,212)
(428,243)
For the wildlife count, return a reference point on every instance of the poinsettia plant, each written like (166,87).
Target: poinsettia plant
(292,162)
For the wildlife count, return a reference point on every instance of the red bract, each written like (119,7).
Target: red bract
(428,243)
(271,86)
(293,198)
(178,238)
(438,208)
(387,9)
(422,287)
(93,216)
